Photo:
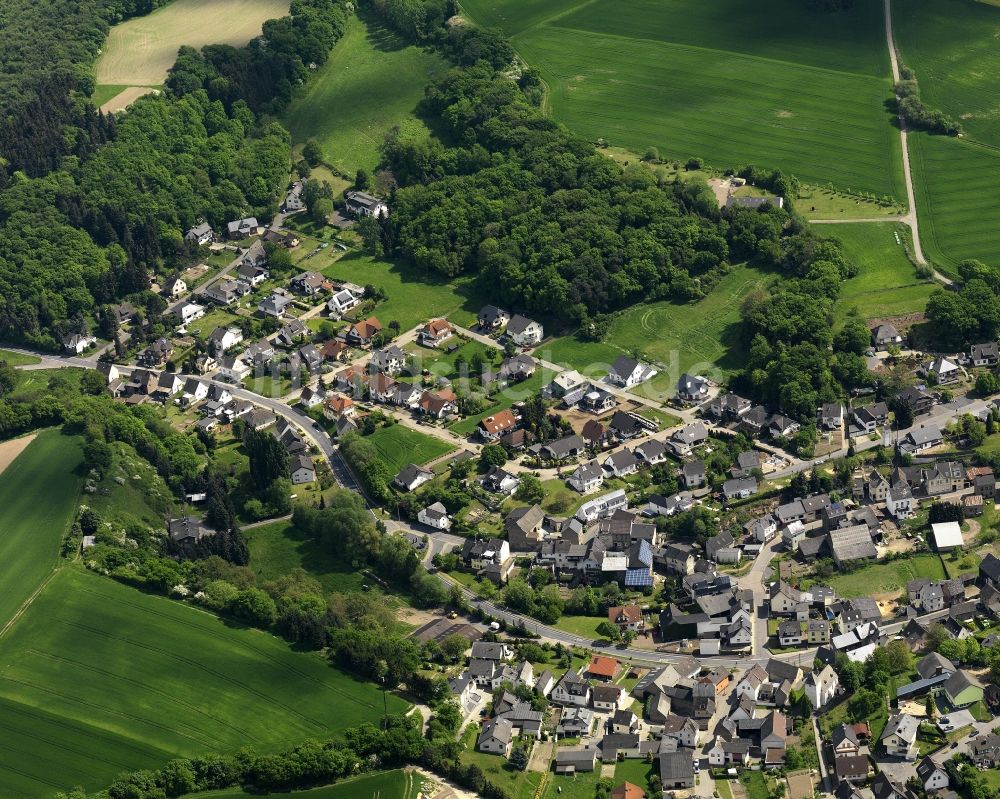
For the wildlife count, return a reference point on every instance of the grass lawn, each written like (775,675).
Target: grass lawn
(17,359)
(881,578)
(397,784)
(887,283)
(98,678)
(516,392)
(443,364)
(700,337)
(371,83)
(578,786)
(139,51)
(278,548)
(952,178)
(719,80)
(635,771)
(268,386)
(585,626)
(517,784)
(214,317)
(413,296)
(39,493)
(399,446)
(755,784)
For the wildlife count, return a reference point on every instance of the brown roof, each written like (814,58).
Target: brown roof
(593,430)
(498,422)
(629,614)
(339,403)
(433,403)
(602,666)
(333,349)
(382,383)
(367,328)
(627,790)
(436,327)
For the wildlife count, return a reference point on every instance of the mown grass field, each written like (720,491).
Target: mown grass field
(887,283)
(371,83)
(956,191)
(97,678)
(399,446)
(17,359)
(698,337)
(39,492)
(720,81)
(397,784)
(413,296)
(139,52)
(884,578)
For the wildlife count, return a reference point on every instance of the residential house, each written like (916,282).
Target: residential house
(563,448)
(223,339)
(200,234)
(224,292)
(918,401)
(242,228)
(621,463)
(627,372)
(253,274)
(587,477)
(739,488)
(77,343)
(608,698)
(572,689)
(524,528)
(932,776)
(360,203)
(821,687)
(781,426)
(885,335)
(676,770)
(985,751)
(492,318)
(389,360)
(360,334)
(962,689)
(524,332)
(435,516)
(411,477)
(899,501)
(626,617)
(302,469)
(435,333)
(817,631)
(693,474)
(496,737)
(651,451)
(790,632)
(309,284)
(677,558)
(984,354)
(574,761)
(341,302)
(174,286)
(602,668)
(499,481)
(692,388)
(943,371)
(493,427)
(575,722)
(831,416)
(900,736)
(275,304)
(689,437)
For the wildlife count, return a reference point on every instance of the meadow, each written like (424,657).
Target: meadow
(413,296)
(98,678)
(371,83)
(139,51)
(887,283)
(399,446)
(39,492)
(720,81)
(17,358)
(885,578)
(956,193)
(703,336)
(397,784)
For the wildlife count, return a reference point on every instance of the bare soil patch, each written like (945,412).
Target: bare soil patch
(9,450)
(124,99)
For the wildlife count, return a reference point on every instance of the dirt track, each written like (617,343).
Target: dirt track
(9,450)
(125,98)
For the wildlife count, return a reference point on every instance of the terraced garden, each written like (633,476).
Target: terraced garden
(720,81)
(97,678)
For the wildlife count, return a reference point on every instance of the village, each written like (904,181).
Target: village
(726,649)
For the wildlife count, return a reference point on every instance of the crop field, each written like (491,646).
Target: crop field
(887,283)
(956,192)
(371,83)
(720,81)
(38,498)
(397,784)
(139,51)
(399,446)
(98,678)
(951,46)
(700,336)
(413,297)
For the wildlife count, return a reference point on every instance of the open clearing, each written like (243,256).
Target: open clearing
(885,578)
(397,784)
(98,678)
(38,498)
(701,337)
(399,446)
(887,283)
(719,80)
(139,52)
(371,83)
(125,98)
(413,296)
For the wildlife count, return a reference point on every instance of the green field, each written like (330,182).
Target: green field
(387,785)
(399,446)
(884,578)
(278,548)
(887,283)
(956,193)
(719,80)
(698,337)
(518,392)
(413,296)
(97,678)
(38,499)
(371,83)
(17,359)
